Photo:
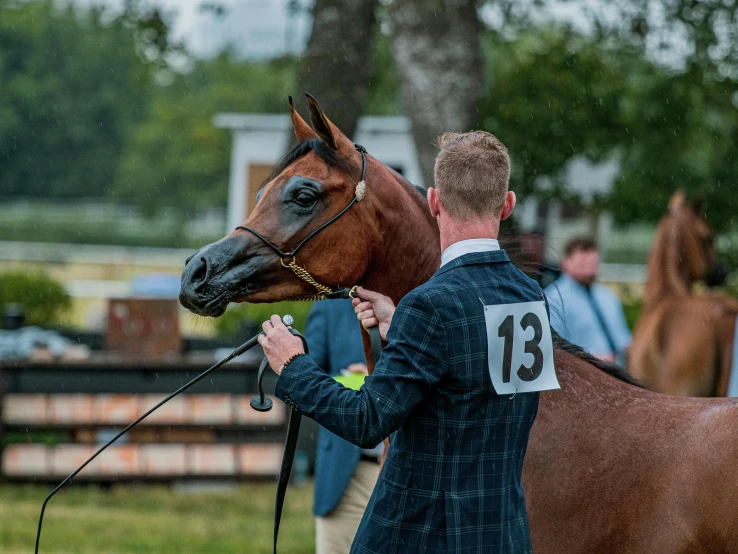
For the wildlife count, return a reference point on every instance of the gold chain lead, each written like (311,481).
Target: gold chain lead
(303,274)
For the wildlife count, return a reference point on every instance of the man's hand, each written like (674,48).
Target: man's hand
(278,343)
(373,309)
(358,368)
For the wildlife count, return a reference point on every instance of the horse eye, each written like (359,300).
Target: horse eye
(305,199)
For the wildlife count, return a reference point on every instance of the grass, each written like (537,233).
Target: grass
(154,519)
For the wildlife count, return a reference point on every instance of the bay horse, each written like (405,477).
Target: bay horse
(610,468)
(683,342)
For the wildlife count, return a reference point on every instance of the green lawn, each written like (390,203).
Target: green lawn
(153,519)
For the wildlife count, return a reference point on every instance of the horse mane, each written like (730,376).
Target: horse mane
(610,368)
(327,154)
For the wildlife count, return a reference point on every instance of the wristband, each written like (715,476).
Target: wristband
(289,360)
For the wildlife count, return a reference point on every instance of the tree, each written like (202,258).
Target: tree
(683,130)
(176,158)
(437,50)
(71,87)
(552,94)
(335,67)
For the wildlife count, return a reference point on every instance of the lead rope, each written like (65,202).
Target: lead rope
(293,428)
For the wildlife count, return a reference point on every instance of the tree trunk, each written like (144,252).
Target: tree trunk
(335,67)
(438,55)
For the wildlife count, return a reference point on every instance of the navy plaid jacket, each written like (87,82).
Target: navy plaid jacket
(452,478)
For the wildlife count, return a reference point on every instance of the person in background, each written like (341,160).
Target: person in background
(345,474)
(584,312)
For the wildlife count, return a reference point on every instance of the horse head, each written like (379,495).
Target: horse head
(683,252)
(311,222)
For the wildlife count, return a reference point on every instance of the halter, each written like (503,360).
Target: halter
(289,260)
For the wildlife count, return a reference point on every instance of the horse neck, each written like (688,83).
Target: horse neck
(403,236)
(667,275)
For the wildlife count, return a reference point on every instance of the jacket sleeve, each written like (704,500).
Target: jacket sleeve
(316,333)
(414,360)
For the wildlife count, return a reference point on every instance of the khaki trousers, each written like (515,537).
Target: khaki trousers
(335,532)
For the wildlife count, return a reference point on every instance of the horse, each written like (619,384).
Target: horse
(683,342)
(610,467)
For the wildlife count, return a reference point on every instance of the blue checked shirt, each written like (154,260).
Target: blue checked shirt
(452,478)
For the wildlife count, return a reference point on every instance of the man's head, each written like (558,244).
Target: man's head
(581,260)
(472,173)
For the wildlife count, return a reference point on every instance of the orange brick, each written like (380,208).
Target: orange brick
(70,408)
(65,458)
(209,409)
(26,459)
(114,409)
(212,459)
(260,459)
(163,459)
(246,415)
(118,461)
(173,412)
(25,408)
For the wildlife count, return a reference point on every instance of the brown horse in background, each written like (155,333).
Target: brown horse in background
(610,468)
(683,342)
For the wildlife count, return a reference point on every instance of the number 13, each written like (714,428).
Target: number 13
(507,332)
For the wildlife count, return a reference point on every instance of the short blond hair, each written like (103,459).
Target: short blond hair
(472,174)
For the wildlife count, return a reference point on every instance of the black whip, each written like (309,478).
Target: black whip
(237,352)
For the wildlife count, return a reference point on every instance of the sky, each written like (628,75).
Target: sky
(254,28)
(259,29)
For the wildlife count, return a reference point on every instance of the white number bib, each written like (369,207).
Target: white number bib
(520,348)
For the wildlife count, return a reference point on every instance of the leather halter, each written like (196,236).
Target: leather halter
(289,260)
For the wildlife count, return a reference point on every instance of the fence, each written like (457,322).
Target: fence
(54,415)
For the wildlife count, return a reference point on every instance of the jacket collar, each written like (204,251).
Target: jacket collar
(475,258)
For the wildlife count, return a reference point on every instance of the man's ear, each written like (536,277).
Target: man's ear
(508,206)
(433,201)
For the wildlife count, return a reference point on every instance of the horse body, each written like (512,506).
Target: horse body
(618,469)
(610,467)
(683,342)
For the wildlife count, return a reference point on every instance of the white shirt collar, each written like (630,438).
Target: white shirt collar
(468,246)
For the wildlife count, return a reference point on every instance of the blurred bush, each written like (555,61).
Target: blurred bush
(44,300)
(249,317)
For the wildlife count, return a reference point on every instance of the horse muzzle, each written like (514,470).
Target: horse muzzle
(716,275)
(209,282)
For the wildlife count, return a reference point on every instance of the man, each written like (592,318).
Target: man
(584,312)
(460,410)
(345,474)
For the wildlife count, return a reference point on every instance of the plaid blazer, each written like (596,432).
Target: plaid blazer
(452,479)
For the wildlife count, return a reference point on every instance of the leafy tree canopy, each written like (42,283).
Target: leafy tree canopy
(71,86)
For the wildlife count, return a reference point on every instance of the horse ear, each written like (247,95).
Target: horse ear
(677,201)
(303,131)
(327,131)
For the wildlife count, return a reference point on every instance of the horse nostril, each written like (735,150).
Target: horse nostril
(199,272)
